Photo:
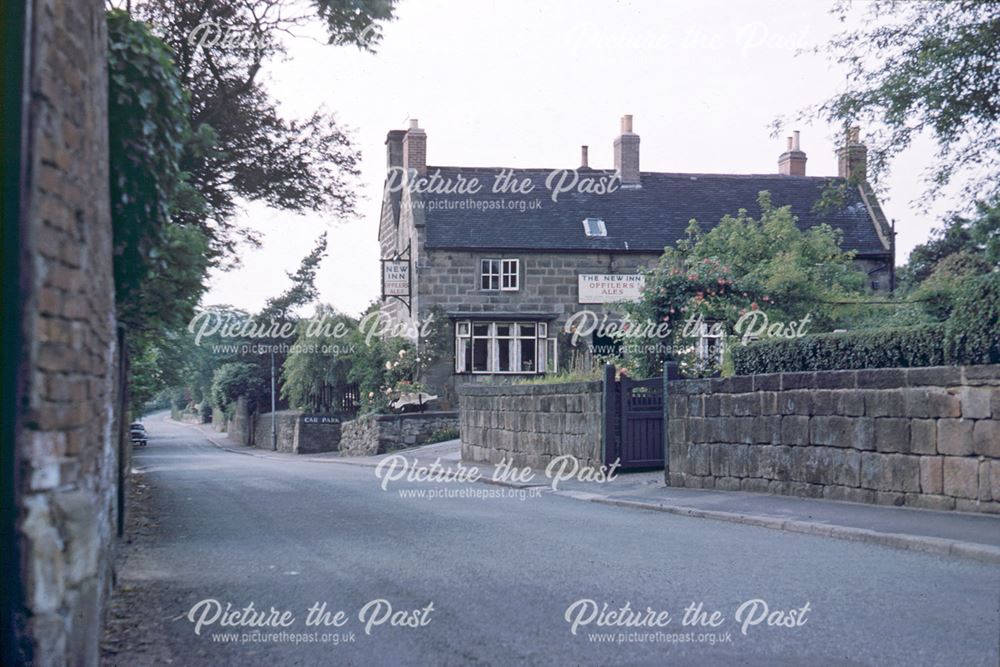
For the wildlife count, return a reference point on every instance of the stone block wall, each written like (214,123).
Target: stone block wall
(285,423)
(298,433)
(239,429)
(67,425)
(921,437)
(530,424)
(378,434)
(317,433)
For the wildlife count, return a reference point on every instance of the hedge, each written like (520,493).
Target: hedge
(878,348)
(970,336)
(973,332)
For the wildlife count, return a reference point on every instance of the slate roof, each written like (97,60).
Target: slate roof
(637,220)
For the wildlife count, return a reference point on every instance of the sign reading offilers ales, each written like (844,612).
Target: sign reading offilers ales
(396,278)
(608,288)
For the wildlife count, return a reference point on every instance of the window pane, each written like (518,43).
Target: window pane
(480,354)
(503,354)
(528,356)
(494,282)
(550,361)
(460,345)
(481,330)
(485,283)
(462,329)
(527,330)
(503,330)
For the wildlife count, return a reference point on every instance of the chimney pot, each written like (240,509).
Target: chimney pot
(627,124)
(414,124)
(584,161)
(793,161)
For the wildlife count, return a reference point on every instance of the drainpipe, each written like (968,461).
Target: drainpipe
(14,647)
(892,260)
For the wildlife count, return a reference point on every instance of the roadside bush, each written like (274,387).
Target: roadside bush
(442,435)
(973,330)
(877,348)
(233,380)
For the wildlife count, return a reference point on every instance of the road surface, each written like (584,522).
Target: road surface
(506,580)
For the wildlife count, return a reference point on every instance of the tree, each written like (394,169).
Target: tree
(221,49)
(320,359)
(159,263)
(742,265)
(977,235)
(303,288)
(233,380)
(923,67)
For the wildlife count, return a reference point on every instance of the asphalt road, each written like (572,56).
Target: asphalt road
(501,573)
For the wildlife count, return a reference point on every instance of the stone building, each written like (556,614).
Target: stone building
(508,255)
(61,465)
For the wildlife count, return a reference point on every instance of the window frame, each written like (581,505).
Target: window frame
(703,342)
(602,228)
(520,331)
(504,272)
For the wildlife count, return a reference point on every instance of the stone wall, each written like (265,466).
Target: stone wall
(378,434)
(285,422)
(219,421)
(239,428)
(317,433)
(530,424)
(66,482)
(298,433)
(921,437)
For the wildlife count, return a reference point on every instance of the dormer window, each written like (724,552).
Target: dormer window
(594,227)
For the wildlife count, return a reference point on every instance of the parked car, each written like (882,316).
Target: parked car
(137,434)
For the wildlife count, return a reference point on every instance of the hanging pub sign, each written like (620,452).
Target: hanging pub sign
(609,288)
(396,278)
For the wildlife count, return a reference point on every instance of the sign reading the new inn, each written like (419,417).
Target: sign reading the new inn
(608,288)
(396,278)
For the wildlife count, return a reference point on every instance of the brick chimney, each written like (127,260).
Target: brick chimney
(415,148)
(394,149)
(793,161)
(627,154)
(852,157)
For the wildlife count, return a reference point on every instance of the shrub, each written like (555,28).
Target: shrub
(560,378)
(233,380)
(973,330)
(442,435)
(877,348)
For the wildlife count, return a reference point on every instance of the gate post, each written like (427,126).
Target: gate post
(666,421)
(608,414)
(670,372)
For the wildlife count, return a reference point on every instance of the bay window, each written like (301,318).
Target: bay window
(504,347)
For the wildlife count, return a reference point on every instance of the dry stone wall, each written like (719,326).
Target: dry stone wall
(921,437)
(378,434)
(530,424)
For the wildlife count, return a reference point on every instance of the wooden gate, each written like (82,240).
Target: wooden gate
(634,422)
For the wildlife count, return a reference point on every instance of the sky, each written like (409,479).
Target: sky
(525,84)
